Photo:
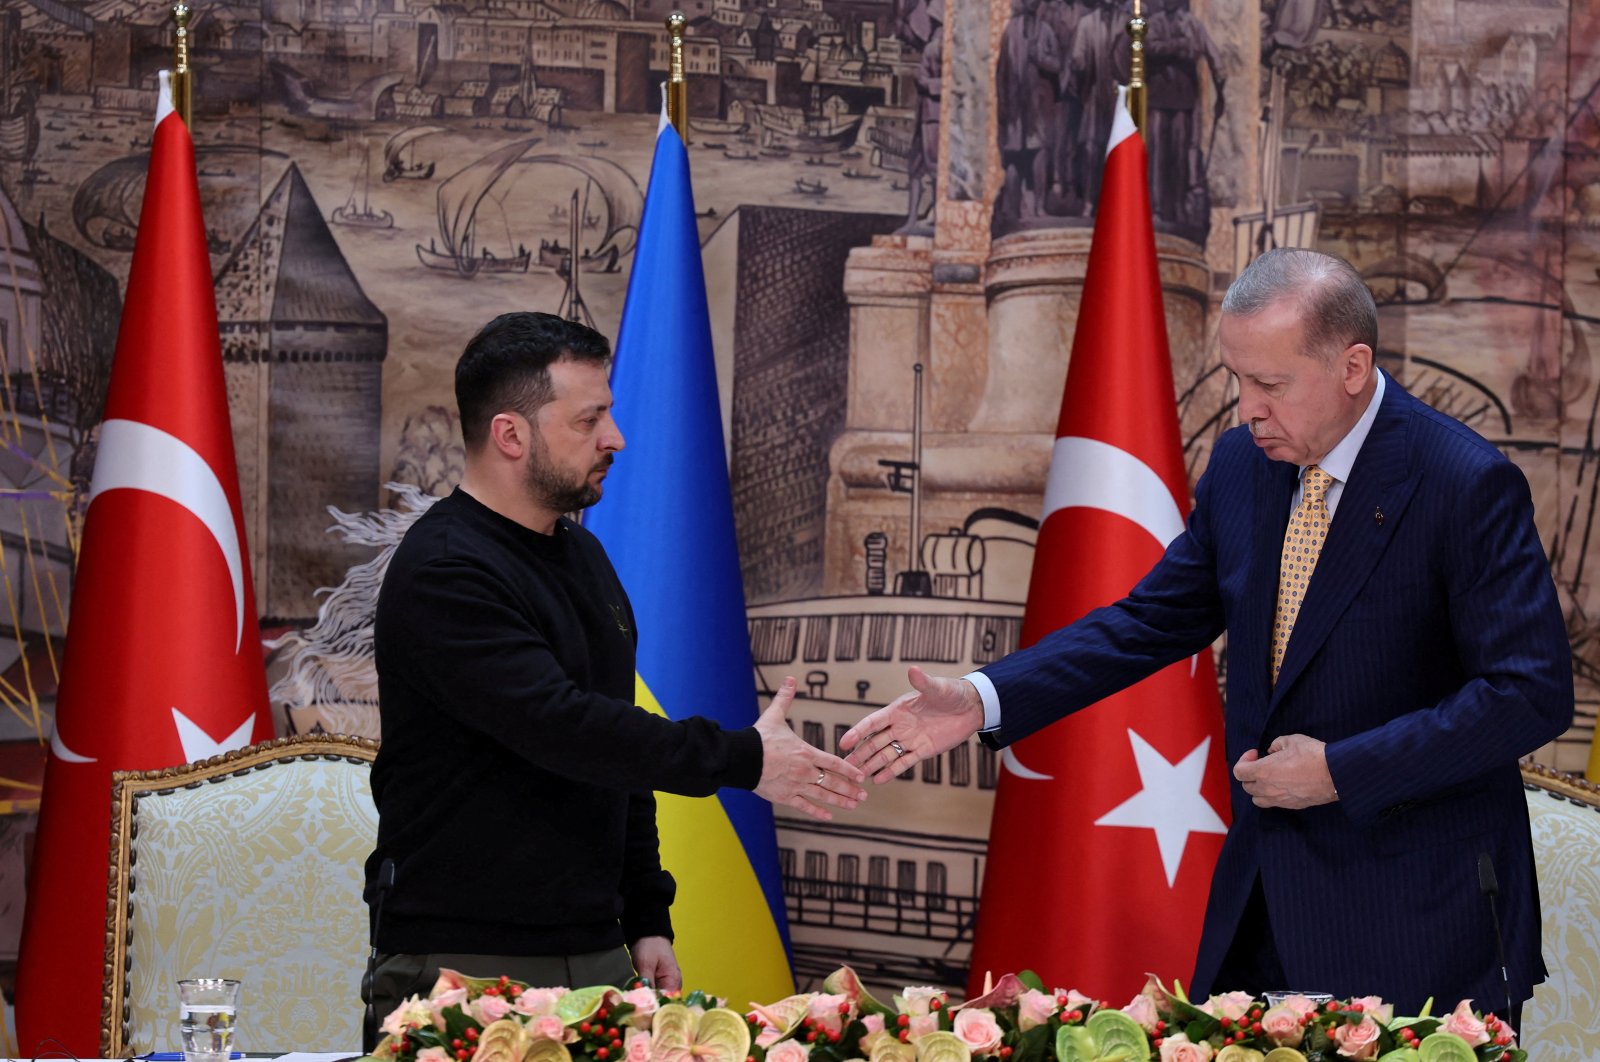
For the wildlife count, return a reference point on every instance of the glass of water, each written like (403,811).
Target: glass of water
(208,1012)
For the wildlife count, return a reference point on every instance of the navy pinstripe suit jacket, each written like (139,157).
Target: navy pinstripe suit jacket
(1430,653)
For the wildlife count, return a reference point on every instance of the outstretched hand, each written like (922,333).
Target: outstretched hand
(937,715)
(797,775)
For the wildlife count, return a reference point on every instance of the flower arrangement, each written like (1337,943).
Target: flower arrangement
(467,1019)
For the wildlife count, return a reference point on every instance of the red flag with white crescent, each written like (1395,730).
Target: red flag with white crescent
(163,657)
(1107,824)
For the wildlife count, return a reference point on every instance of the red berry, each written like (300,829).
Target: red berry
(1061,1000)
(1161,1026)
(844,1008)
(612,1032)
(811,1037)
(472,1034)
(1157,1041)
(463,1055)
(1331,1007)
(602,1014)
(1005,1052)
(584,1027)
(456,1044)
(602,1054)
(905,1037)
(1357,1007)
(1255,1027)
(1074,1015)
(1226,1023)
(1255,1012)
(934,1004)
(904,1020)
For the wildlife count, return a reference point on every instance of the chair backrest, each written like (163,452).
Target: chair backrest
(1564,811)
(246,865)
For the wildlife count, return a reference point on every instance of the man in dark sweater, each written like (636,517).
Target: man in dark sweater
(515,781)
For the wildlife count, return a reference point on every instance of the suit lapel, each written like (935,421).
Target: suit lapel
(1378,484)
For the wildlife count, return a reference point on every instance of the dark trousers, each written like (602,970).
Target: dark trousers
(396,978)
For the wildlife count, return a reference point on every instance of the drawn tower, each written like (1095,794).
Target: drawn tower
(303,348)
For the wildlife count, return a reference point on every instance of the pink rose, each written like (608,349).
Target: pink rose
(1034,1008)
(978,1030)
(1300,1005)
(825,1010)
(434,1054)
(411,1014)
(788,1051)
(490,1008)
(1178,1048)
(637,1046)
(1142,1009)
(548,1027)
(1381,1012)
(644,1004)
(538,1002)
(1281,1025)
(1231,1005)
(873,1024)
(1466,1025)
(454,997)
(1357,1041)
(915,1000)
(921,1026)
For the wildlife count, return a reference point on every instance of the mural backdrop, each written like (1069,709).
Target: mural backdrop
(895,199)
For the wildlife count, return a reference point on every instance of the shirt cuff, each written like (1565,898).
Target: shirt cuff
(991,699)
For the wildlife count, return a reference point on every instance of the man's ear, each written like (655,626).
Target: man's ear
(1356,367)
(510,434)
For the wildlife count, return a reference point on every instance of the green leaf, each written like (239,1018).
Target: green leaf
(1031,979)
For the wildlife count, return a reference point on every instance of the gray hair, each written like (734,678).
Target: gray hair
(1333,300)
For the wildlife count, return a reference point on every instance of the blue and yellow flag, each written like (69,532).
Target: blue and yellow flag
(667,523)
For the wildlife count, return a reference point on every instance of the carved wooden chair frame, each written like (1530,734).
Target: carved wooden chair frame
(1573,787)
(127,788)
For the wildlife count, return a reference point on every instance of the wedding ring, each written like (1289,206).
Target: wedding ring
(822,776)
(898,750)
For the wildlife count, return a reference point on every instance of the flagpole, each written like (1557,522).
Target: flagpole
(1137,90)
(677,85)
(182,82)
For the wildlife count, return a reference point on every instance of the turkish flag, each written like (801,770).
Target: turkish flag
(1108,823)
(163,656)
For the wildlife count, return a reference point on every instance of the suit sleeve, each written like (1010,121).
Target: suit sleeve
(1510,635)
(1175,611)
(481,663)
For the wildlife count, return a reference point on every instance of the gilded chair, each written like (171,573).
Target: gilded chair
(246,865)
(1560,1024)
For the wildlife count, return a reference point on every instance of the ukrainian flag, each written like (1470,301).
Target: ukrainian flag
(667,523)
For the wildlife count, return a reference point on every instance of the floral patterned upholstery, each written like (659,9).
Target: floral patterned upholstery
(247,865)
(1559,1024)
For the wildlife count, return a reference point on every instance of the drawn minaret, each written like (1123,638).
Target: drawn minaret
(303,348)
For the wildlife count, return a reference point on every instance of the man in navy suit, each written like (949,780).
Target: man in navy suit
(1422,653)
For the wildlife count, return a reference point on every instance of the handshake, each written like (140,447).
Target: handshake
(935,716)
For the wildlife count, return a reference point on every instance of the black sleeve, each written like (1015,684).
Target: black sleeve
(647,889)
(485,666)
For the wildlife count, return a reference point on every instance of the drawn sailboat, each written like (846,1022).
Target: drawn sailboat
(362,216)
(459,197)
(399,155)
(624,205)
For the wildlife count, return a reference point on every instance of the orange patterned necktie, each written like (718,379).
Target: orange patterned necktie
(1302,544)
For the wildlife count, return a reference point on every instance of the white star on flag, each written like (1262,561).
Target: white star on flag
(199,745)
(1170,802)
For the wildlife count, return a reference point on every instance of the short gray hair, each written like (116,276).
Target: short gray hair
(1333,300)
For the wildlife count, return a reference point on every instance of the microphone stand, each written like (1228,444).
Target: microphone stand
(369,1021)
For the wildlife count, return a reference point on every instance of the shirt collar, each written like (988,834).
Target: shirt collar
(1342,458)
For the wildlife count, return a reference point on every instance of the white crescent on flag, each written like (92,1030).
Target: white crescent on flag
(1090,474)
(135,456)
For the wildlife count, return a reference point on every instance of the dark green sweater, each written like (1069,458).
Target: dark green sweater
(514,783)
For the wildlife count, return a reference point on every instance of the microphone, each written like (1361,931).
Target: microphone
(369,1021)
(1490,887)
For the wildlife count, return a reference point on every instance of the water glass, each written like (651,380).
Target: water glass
(208,1012)
(1318,998)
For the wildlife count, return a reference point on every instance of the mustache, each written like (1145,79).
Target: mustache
(604,463)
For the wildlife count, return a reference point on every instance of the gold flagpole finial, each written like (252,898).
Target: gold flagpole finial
(1138,92)
(182,95)
(677,85)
